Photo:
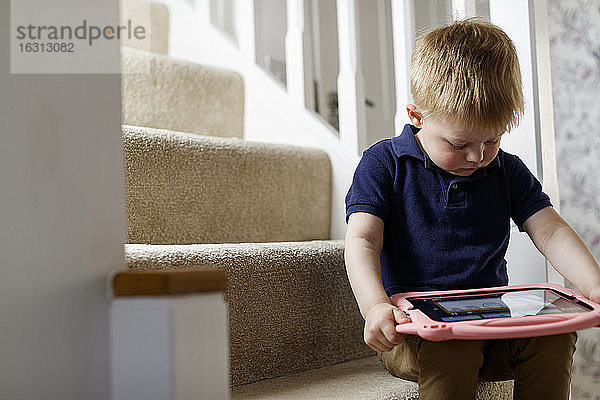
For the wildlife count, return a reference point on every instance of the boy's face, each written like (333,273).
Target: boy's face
(455,149)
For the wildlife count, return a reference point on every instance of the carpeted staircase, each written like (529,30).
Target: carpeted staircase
(261,213)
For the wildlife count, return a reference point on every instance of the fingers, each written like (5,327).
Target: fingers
(390,334)
(382,347)
(400,316)
(380,332)
(383,341)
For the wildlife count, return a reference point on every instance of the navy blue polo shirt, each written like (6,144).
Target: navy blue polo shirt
(442,231)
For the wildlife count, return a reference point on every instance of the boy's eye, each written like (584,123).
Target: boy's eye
(493,142)
(457,146)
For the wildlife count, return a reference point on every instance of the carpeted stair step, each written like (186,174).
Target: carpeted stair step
(361,379)
(161,92)
(186,189)
(290,305)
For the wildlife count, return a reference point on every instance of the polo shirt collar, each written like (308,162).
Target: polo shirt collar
(406,145)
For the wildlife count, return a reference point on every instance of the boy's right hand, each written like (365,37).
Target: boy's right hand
(380,332)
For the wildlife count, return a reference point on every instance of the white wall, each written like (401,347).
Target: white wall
(62,228)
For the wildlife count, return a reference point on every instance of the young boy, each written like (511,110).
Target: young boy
(431,209)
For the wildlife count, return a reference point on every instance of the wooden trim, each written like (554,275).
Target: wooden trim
(166,283)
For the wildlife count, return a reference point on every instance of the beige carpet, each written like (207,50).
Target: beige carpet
(291,308)
(153,18)
(160,92)
(185,189)
(362,379)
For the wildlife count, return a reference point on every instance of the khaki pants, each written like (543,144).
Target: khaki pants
(541,366)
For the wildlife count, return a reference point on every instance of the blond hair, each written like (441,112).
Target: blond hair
(467,72)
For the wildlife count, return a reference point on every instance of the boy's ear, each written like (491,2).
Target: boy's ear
(415,117)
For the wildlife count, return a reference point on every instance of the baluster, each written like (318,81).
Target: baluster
(203,11)
(218,13)
(546,114)
(245,28)
(294,51)
(545,104)
(309,62)
(403,31)
(462,9)
(385,65)
(351,88)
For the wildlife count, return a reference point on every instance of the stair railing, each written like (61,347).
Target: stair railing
(371,106)
(353,106)
(372,81)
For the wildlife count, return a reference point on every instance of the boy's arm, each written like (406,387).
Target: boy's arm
(364,240)
(565,250)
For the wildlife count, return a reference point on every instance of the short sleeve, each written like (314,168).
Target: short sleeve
(526,195)
(371,188)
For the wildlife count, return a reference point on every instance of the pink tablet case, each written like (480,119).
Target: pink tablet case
(497,328)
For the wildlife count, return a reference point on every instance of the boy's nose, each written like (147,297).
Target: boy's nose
(475,153)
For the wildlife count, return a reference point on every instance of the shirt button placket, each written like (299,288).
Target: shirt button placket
(456,198)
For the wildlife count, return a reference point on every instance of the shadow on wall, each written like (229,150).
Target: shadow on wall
(575,56)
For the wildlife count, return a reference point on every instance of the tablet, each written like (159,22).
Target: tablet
(496,313)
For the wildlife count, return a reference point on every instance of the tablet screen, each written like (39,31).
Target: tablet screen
(516,303)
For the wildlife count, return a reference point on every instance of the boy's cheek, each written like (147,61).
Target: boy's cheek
(447,161)
(491,154)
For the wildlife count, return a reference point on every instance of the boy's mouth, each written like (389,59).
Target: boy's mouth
(465,171)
